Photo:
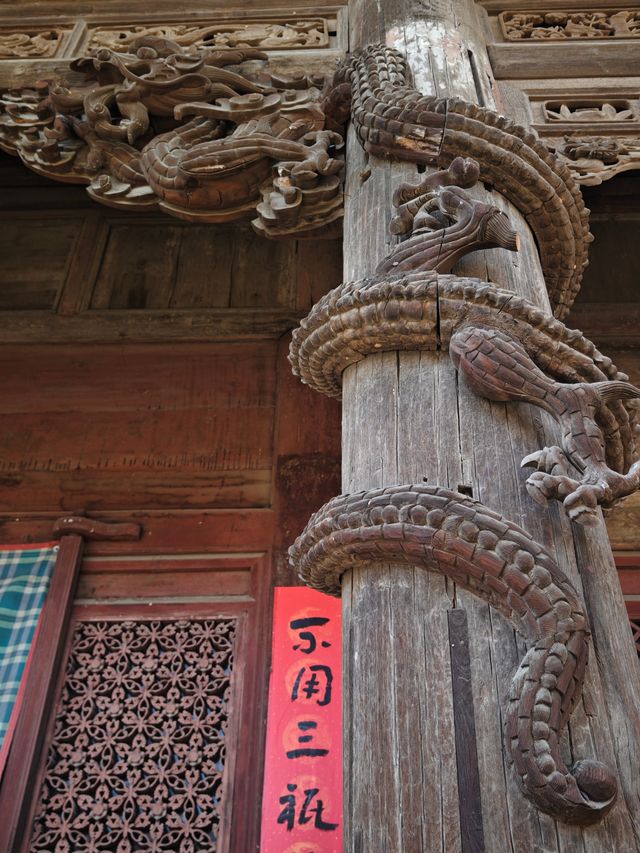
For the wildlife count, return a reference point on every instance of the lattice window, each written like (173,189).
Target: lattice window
(138,751)
(635,630)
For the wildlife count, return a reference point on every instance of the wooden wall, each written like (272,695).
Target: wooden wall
(144,373)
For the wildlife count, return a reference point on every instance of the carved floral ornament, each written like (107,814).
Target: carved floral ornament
(615,111)
(155,128)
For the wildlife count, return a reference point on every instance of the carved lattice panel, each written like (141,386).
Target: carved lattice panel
(635,630)
(138,751)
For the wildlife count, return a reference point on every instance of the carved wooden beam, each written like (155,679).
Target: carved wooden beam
(157,128)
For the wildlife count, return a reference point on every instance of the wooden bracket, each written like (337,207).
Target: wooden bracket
(91,528)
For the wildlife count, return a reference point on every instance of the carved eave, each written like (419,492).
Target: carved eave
(206,134)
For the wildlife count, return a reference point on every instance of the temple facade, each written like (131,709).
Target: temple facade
(319,511)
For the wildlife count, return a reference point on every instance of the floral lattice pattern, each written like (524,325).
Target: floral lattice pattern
(138,751)
(635,630)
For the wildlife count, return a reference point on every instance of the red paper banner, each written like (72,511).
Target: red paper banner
(302,797)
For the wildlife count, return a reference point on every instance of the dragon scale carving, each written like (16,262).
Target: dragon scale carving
(446,532)
(392,119)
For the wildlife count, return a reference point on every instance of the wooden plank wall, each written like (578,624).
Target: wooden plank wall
(144,373)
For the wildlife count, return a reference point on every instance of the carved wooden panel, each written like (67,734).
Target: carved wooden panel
(137,427)
(563,24)
(31,44)
(263,34)
(138,751)
(69,35)
(585,112)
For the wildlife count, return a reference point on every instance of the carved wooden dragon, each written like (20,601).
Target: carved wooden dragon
(508,349)
(394,120)
(251,146)
(446,532)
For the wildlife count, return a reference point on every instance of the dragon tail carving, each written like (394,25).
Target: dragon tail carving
(448,533)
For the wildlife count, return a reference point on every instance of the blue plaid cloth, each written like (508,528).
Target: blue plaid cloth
(24,581)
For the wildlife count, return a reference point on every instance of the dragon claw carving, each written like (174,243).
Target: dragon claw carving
(445,532)
(499,367)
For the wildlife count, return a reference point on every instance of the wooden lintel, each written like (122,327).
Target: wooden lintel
(146,326)
(564,59)
(165,10)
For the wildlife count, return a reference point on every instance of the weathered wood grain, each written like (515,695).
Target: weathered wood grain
(465,734)
(401,424)
(47,248)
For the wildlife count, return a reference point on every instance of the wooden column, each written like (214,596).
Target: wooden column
(411,761)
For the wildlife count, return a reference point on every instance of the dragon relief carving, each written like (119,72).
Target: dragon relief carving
(508,349)
(594,159)
(448,533)
(394,120)
(264,35)
(154,127)
(563,24)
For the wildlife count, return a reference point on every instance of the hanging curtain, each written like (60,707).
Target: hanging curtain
(25,572)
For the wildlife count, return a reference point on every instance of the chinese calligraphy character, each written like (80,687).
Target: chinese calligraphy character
(308,812)
(312,686)
(307,751)
(309,636)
